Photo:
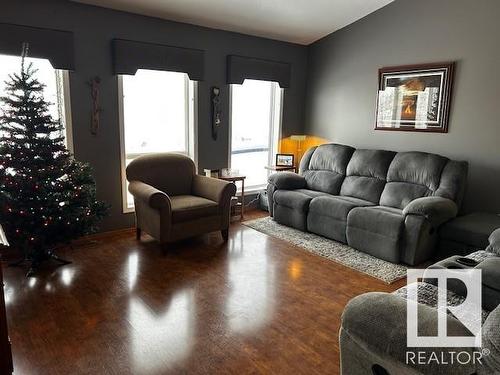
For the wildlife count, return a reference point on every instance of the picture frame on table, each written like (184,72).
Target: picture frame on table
(285,160)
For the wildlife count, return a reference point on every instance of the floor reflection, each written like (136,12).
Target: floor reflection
(250,304)
(132,270)
(295,269)
(67,275)
(8,293)
(32,282)
(160,341)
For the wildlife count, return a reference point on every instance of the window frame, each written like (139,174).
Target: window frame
(276,118)
(191,95)
(63,93)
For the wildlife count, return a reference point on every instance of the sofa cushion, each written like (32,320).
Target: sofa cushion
(327,168)
(328,215)
(376,231)
(400,194)
(292,199)
(366,174)
(313,193)
(336,206)
(418,168)
(412,175)
(188,207)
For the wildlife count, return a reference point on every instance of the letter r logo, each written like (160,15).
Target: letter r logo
(469,312)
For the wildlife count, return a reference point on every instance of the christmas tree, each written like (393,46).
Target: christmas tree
(47,198)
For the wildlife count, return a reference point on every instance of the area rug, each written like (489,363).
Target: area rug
(332,250)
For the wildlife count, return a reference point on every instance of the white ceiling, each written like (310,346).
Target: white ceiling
(297,21)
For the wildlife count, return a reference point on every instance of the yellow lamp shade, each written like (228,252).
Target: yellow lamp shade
(296,144)
(298,138)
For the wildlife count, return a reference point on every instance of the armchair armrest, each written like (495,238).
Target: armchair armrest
(287,181)
(212,188)
(149,195)
(437,210)
(494,245)
(378,322)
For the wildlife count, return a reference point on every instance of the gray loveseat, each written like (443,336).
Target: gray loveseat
(373,337)
(388,204)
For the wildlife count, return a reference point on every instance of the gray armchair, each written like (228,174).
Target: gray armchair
(172,202)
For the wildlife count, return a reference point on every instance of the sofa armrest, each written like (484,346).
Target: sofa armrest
(287,181)
(490,275)
(150,195)
(378,322)
(494,245)
(437,210)
(212,188)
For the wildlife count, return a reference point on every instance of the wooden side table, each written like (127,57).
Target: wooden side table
(280,168)
(234,179)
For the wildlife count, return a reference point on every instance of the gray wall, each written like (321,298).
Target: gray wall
(94,28)
(342,83)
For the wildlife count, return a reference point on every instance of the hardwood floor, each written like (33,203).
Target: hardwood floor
(255,304)
(5,352)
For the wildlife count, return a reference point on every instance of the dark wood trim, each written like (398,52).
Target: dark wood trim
(5,350)
(447,93)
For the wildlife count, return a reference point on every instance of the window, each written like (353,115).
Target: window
(157,115)
(255,129)
(56,88)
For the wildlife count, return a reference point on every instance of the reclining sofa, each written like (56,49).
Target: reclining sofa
(373,338)
(387,204)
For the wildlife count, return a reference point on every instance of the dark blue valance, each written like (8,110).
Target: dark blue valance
(53,45)
(129,56)
(241,67)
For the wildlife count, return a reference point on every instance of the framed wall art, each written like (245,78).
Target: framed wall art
(415,97)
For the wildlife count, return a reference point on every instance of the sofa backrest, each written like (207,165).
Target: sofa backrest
(324,167)
(383,177)
(453,181)
(171,173)
(366,174)
(412,175)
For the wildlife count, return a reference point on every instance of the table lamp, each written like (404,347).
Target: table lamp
(299,139)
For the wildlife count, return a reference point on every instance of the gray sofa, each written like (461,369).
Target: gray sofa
(388,204)
(373,332)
